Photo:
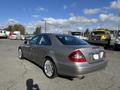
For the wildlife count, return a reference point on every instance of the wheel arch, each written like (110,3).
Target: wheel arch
(55,65)
(19,48)
(53,60)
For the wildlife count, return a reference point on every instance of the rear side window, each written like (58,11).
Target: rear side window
(44,40)
(70,40)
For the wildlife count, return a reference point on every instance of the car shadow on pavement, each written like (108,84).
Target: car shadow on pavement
(31,86)
(66,77)
(71,78)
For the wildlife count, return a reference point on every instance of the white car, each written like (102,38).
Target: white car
(3,34)
(14,36)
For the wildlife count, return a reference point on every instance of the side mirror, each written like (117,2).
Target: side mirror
(26,42)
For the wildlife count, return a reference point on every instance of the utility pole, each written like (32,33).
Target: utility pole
(118,27)
(45,24)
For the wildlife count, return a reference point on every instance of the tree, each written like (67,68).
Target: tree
(19,27)
(9,28)
(37,31)
(22,31)
(16,27)
(86,33)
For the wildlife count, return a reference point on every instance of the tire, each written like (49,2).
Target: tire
(20,54)
(107,45)
(115,47)
(49,68)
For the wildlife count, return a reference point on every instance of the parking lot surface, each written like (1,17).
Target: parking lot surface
(18,74)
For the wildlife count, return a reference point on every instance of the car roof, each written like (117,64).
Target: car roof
(54,34)
(54,40)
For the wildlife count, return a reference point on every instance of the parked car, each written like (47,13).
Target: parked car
(28,37)
(61,54)
(22,37)
(78,34)
(14,35)
(117,40)
(3,34)
(100,37)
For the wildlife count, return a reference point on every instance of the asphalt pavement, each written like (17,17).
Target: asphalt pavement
(18,74)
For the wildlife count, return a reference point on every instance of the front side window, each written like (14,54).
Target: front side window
(44,40)
(33,41)
(70,40)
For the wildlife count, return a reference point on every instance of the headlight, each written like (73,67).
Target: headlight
(103,37)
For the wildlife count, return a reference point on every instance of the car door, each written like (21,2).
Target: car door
(33,47)
(42,49)
(26,49)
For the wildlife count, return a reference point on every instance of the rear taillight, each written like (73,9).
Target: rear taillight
(77,56)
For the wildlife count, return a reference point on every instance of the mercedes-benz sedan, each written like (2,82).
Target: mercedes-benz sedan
(60,54)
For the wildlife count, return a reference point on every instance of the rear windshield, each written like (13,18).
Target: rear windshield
(70,40)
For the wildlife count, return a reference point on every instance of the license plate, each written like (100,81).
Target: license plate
(96,56)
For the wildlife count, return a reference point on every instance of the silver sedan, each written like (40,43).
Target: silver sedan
(60,54)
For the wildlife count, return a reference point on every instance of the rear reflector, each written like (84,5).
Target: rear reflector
(77,56)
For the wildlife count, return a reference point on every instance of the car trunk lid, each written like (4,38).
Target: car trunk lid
(92,54)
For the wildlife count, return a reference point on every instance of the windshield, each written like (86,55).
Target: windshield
(70,40)
(98,33)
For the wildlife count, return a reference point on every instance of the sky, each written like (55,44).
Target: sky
(60,15)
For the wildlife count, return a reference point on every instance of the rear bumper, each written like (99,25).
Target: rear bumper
(92,67)
(79,69)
